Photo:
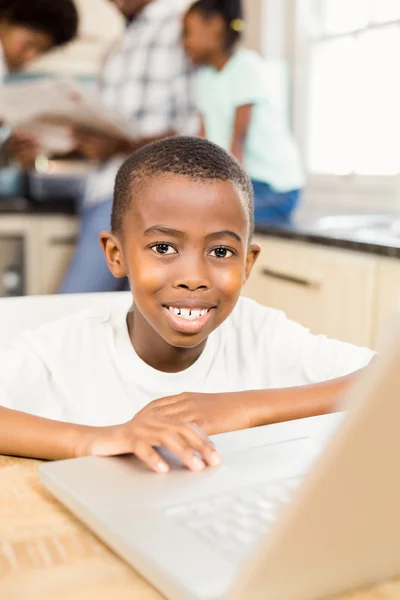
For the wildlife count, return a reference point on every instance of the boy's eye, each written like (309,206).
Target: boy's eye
(221,252)
(163,249)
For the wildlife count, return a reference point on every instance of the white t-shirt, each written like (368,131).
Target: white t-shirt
(271,154)
(84,369)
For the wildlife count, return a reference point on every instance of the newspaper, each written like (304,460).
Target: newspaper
(50,108)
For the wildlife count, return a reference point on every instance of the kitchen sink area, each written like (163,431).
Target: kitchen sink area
(376,233)
(369,228)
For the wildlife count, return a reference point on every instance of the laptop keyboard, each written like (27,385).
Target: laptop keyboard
(232,523)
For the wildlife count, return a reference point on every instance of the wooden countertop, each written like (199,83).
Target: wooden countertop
(46,554)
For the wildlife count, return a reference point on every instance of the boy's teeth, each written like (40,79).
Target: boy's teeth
(186,313)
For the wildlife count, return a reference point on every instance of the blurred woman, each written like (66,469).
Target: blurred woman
(29,29)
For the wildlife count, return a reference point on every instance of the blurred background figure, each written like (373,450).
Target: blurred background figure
(147,78)
(236,103)
(29,29)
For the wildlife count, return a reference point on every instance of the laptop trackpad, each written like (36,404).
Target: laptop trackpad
(294,456)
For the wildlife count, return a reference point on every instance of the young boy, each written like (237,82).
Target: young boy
(190,353)
(28,29)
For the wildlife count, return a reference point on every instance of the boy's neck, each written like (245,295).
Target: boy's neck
(220,59)
(137,12)
(155,351)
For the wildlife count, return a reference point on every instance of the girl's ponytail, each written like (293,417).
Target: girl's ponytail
(232,13)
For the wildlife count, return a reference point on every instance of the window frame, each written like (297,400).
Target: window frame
(380,190)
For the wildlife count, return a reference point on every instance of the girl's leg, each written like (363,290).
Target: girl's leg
(88,271)
(272,206)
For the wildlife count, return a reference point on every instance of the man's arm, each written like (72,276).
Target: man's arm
(95,146)
(219,413)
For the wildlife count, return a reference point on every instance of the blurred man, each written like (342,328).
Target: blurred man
(147,79)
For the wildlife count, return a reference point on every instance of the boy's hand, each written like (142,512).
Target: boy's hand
(144,433)
(214,413)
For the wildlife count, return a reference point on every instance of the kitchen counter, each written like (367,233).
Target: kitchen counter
(305,229)
(21,206)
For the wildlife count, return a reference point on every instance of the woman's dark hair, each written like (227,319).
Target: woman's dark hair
(56,18)
(230,10)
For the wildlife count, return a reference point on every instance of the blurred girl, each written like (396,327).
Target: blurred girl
(237,107)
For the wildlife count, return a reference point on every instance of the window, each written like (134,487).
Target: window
(353,87)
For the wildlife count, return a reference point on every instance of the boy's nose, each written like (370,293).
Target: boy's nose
(192,276)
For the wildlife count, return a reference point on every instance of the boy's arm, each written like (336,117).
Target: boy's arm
(22,434)
(219,413)
(240,131)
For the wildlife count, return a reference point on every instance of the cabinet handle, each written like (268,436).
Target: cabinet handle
(70,240)
(290,278)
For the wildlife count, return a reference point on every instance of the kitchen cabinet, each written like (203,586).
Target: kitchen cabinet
(329,290)
(345,294)
(57,241)
(48,245)
(388,296)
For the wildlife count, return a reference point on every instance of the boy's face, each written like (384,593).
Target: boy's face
(185,250)
(21,45)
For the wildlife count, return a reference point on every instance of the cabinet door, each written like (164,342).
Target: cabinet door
(57,246)
(328,290)
(388,296)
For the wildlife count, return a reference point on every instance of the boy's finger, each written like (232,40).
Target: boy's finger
(200,442)
(150,457)
(182,448)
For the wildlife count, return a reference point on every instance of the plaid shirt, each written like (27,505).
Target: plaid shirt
(146,78)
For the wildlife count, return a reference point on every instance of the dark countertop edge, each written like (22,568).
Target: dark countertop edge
(21,207)
(291,232)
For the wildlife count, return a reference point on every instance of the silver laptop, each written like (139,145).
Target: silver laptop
(297,511)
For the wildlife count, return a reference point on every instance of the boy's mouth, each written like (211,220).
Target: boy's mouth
(188,320)
(189,313)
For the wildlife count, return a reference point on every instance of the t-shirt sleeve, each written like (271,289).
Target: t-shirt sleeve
(298,357)
(202,90)
(24,379)
(251,85)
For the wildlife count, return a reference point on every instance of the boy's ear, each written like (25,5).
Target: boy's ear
(113,252)
(252,254)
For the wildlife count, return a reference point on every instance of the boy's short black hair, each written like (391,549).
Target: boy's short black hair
(191,157)
(56,18)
